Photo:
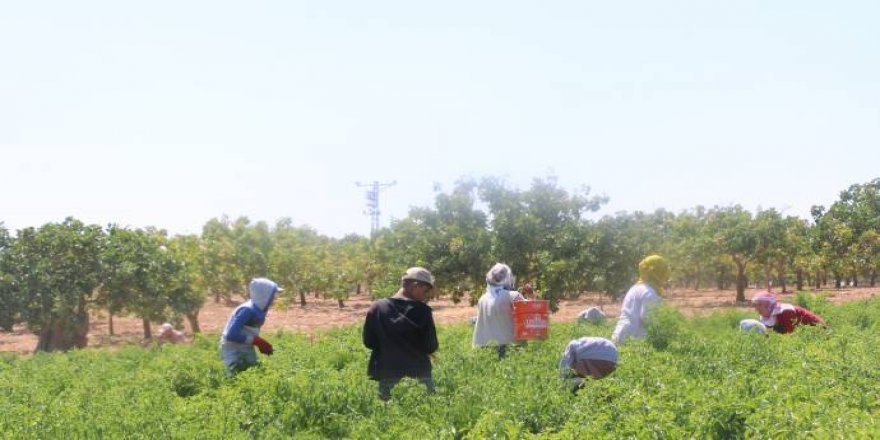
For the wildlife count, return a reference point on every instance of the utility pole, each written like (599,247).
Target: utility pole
(373,202)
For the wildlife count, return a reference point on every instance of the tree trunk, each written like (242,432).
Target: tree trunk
(148,333)
(64,334)
(740,282)
(358,291)
(873,278)
(110,322)
(216,297)
(799,278)
(341,303)
(780,271)
(193,319)
(818,280)
(302,299)
(855,280)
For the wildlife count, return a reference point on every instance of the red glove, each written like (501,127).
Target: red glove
(264,346)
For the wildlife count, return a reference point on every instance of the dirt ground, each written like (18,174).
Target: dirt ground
(321,314)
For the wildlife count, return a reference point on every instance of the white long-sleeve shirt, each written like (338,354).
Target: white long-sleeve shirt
(495,316)
(631,324)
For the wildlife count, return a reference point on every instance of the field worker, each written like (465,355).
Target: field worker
(242,332)
(494,325)
(593,315)
(401,334)
(644,295)
(168,334)
(587,357)
(752,325)
(782,317)
(528,292)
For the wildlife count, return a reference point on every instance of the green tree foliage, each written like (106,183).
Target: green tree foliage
(692,249)
(187,286)
(57,268)
(735,236)
(10,296)
(296,259)
(144,278)
(220,270)
(533,231)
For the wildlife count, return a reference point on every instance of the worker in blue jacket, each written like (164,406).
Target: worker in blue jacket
(242,331)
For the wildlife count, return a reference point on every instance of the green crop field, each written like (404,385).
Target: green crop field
(698,378)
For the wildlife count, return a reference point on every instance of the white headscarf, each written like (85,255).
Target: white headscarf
(752,325)
(500,275)
(594,348)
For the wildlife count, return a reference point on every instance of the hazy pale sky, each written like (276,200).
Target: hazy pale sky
(170,113)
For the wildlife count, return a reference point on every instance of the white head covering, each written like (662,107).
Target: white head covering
(594,348)
(262,292)
(500,275)
(752,325)
(592,314)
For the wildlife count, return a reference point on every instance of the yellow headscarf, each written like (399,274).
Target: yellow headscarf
(654,270)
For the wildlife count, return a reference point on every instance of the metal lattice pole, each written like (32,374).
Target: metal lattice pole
(373,202)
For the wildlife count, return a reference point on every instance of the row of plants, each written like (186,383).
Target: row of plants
(692,377)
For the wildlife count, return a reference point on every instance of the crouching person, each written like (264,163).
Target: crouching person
(401,334)
(782,317)
(587,357)
(242,331)
(167,334)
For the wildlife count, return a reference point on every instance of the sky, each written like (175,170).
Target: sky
(170,113)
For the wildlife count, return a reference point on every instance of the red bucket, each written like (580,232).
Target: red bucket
(531,320)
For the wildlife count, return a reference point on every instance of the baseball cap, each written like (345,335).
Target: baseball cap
(418,274)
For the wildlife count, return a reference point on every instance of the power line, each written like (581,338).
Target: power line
(373,202)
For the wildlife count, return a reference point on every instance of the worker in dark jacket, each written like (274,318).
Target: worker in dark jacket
(401,334)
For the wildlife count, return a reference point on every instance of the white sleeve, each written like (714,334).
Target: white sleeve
(649,301)
(565,361)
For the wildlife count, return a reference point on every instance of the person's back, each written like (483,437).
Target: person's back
(632,312)
(641,297)
(592,314)
(401,334)
(495,310)
(495,317)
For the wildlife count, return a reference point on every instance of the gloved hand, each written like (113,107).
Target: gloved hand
(264,346)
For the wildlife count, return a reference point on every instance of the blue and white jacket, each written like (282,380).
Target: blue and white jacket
(246,320)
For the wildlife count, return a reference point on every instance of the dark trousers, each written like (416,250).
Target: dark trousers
(385,385)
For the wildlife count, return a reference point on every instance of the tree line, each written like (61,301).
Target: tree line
(51,277)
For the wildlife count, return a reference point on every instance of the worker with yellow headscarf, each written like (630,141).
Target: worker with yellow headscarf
(641,297)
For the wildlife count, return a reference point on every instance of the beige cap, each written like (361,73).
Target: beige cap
(418,274)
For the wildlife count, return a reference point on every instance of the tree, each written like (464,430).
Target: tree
(774,250)
(187,289)
(734,235)
(691,248)
(220,271)
(143,277)
(534,229)
(10,297)
(57,268)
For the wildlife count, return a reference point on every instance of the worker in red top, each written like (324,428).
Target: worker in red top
(782,317)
